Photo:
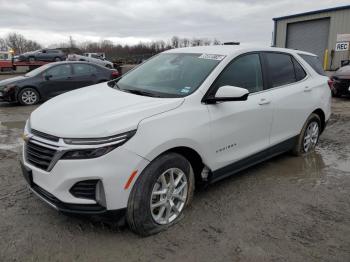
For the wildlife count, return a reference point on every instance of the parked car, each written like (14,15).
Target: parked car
(340,82)
(51,55)
(51,80)
(136,146)
(92,58)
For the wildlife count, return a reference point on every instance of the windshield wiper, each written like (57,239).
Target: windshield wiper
(140,92)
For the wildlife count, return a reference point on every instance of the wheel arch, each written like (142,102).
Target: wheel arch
(193,157)
(322,116)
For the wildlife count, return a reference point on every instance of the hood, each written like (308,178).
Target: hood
(97,111)
(11,80)
(343,72)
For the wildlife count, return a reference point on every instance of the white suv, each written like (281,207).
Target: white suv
(139,144)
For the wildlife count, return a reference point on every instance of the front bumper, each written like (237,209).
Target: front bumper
(112,169)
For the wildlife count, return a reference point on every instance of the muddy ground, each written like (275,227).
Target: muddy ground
(286,209)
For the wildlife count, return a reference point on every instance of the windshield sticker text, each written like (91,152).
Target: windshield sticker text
(212,57)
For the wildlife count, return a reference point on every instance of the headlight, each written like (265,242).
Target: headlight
(88,153)
(8,88)
(112,143)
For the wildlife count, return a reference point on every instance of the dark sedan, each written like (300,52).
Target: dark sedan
(340,82)
(51,80)
(50,55)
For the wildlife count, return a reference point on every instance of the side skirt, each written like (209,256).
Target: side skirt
(254,159)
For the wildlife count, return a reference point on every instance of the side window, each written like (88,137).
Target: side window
(83,69)
(299,71)
(245,72)
(59,71)
(314,62)
(281,69)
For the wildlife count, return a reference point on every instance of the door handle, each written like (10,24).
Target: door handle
(264,101)
(307,89)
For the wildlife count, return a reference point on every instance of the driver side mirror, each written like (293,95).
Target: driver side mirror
(47,77)
(228,93)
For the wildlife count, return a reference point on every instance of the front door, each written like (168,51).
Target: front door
(57,80)
(240,128)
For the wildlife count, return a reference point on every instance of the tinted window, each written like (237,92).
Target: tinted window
(281,69)
(299,71)
(314,62)
(59,71)
(82,69)
(244,72)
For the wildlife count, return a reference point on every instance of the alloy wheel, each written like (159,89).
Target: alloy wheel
(29,97)
(311,136)
(169,196)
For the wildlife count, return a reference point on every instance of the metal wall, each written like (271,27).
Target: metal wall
(339,24)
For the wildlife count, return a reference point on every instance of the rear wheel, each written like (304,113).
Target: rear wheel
(28,96)
(109,66)
(31,59)
(57,59)
(160,194)
(309,136)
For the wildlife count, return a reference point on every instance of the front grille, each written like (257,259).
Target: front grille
(38,155)
(45,136)
(84,189)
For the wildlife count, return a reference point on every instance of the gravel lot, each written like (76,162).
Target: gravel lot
(286,209)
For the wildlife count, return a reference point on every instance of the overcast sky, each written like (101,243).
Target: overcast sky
(131,21)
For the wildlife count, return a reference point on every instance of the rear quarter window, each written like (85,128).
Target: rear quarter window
(314,62)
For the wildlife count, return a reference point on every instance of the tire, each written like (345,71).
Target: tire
(109,66)
(312,127)
(31,59)
(28,96)
(141,217)
(57,59)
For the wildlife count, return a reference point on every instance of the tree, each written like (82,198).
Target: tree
(19,44)
(175,41)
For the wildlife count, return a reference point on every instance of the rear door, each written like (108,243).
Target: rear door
(56,80)
(83,75)
(291,95)
(240,128)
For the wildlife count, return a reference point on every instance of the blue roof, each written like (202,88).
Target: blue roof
(313,12)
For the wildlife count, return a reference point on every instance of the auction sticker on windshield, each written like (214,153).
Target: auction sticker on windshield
(212,57)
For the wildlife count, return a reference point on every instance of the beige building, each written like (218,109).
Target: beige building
(325,33)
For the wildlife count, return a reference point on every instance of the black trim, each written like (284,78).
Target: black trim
(274,33)
(313,12)
(253,159)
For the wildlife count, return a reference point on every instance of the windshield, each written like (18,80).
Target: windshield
(169,75)
(37,71)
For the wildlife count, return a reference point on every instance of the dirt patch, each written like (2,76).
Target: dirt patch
(286,209)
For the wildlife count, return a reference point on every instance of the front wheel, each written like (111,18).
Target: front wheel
(57,59)
(309,136)
(160,194)
(28,96)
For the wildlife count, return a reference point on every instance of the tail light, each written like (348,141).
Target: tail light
(330,82)
(115,74)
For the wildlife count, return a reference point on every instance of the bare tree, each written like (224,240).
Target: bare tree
(175,41)
(19,44)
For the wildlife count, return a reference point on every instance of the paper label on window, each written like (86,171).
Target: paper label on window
(212,57)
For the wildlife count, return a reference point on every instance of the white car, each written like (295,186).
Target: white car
(96,58)
(138,145)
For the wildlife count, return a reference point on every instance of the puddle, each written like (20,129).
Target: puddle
(14,124)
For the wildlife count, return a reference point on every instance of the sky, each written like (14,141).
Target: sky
(130,21)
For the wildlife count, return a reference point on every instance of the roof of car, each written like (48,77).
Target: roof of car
(228,50)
